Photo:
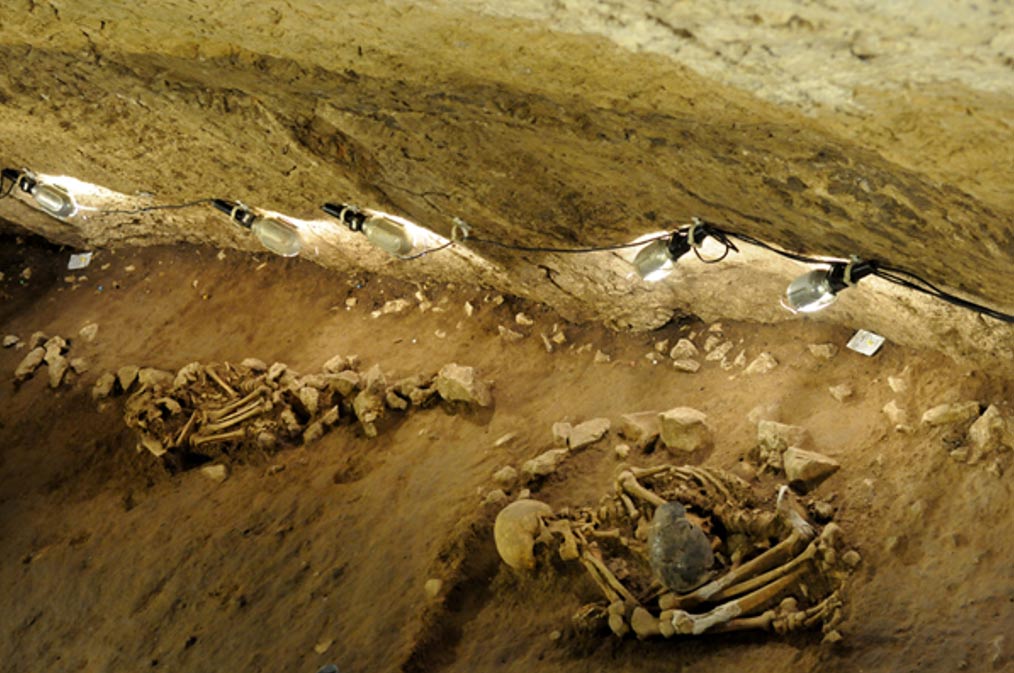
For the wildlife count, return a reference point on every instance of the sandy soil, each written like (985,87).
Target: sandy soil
(111,563)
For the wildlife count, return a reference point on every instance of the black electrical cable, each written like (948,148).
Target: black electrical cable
(919,284)
(4,193)
(428,251)
(575,251)
(147,209)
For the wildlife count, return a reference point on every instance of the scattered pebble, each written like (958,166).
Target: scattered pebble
(505,439)
(10,341)
(505,477)
(587,433)
(509,335)
(469,309)
(601,358)
(762,364)
(946,414)
(684,350)
(522,319)
(823,351)
(622,451)
(842,391)
(432,589)
(689,366)
(216,473)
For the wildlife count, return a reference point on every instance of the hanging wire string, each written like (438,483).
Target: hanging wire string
(148,209)
(4,193)
(573,251)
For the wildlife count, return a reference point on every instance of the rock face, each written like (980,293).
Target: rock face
(684,429)
(457,383)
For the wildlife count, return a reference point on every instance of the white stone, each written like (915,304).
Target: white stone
(505,477)
(842,391)
(458,383)
(719,353)
(509,335)
(79,365)
(823,351)
(946,414)
(621,451)
(684,429)
(58,367)
(986,432)
(601,358)
(32,361)
(774,438)
(11,340)
(254,365)
(544,464)
(126,376)
(561,433)
(684,350)
(710,343)
(762,364)
(807,467)
(688,366)
(394,306)
(89,332)
(896,414)
(469,309)
(662,346)
(522,319)
(432,587)
(897,384)
(587,433)
(103,387)
(149,377)
(216,473)
(640,428)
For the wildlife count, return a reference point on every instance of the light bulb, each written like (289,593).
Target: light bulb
(55,200)
(391,237)
(810,292)
(653,262)
(277,237)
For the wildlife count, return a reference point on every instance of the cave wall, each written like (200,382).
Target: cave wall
(828,128)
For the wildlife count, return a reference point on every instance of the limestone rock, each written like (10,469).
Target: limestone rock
(276,371)
(152,445)
(37,339)
(601,358)
(216,473)
(544,464)
(26,369)
(986,433)
(344,383)
(188,374)
(684,350)
(824,351)
(103,387)
(662,346)
(394,306)
(457,383)
(432,587)
(368,407)
(897,384)
(79,365)
(522,319)
(509,335)
(309,398)
(149,378)
(719,352)
(762,364)
(621,451)
(774,438)
(55,346)
(684,429)
(807,468)
(587,433)
(842,391)
(495,497)
(10,341)
(338,363)
(254,365)
(505,477)
(641,428)
(896,414)
(689,366)
(374,380)
(394,401)
(561,433)
(712,341)
(58,366)
(946,414)
(89,332)
(126,376)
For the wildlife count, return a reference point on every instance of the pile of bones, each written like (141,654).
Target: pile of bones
(767,569)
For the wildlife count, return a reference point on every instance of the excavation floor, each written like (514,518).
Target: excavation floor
(320,553)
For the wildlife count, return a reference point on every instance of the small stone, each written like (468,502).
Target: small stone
(394,306)
(254,365)
(823,351)
(79,365)
(126,376)
(841,392)
(26,273)
(584,349)
(505,477)
(152,445)
(740,360)
(601,358)
(267,441)
(774,438)
(895,413)
(335,364)
(710,343)
(433,587)
(130,268)
(684,350)
(640,428)
(986,432)
(216,473)
(823,510)
(149,378)
(440,334)
(188,374)
(469,309)
(762,364)
(103,387)
(684,429)
(716,328)
(509,335)
(26,369)
(522,319)
(323,646)
(945,414)
(546,343)
(37,340)
(555,635)
(344,383)
(559,338)
(587,433)
(57,369)
(561,433)
(10,341)
(653,357)
(662,346)
(897,384)
(807,468)
(621,451)
(851,558)
(688,366)
(495,497)
(89,332)
(351,302)
(457,383)
(719,352)
(544,464)
(497,300)
(55,346)
(309,398)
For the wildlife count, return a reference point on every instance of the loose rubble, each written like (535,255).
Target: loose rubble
(684,429)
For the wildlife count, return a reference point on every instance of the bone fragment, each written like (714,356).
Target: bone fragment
(629,483)
(218,379)
(198,440)
(217,414)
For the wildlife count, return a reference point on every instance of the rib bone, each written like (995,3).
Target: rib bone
(223,437)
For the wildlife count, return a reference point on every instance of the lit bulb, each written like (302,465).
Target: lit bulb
(653,262)
(391,237)
(810,292)
(55,200)
(277,237)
